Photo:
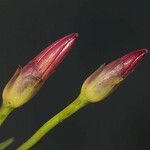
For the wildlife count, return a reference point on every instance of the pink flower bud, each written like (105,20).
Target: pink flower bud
(27,80)
(106,78)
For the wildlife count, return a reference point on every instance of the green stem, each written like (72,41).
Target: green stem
(58,118)
(6,143)
(4,112)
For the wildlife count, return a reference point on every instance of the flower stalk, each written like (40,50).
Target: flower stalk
(4,112)
(6,143)
(49,125)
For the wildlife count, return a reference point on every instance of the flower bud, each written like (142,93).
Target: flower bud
(27,80)
(107,77)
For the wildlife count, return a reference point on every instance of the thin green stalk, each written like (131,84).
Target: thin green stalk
(6,143)
(4,112)
(58,118)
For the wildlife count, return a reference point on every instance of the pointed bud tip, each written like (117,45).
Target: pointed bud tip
(73,35)
(132,59)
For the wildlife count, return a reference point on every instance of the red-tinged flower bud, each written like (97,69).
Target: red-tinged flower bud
(27,80)
(106,78)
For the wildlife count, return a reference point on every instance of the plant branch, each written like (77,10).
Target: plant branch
(4,112)
(58,118)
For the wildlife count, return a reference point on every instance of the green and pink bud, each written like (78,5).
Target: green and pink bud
(107,77)
(28,80)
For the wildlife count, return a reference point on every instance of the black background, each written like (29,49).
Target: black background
(107,30)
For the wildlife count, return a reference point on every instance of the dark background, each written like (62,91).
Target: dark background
(107,30)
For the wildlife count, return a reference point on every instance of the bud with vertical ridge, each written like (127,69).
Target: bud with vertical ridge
(27,80)
(107,77)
